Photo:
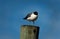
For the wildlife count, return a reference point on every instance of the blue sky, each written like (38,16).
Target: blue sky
(12,12)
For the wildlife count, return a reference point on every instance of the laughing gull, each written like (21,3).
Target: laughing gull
(32,16)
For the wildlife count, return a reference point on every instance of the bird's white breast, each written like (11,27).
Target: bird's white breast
(32,17)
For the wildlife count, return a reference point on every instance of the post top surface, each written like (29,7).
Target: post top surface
(30,26)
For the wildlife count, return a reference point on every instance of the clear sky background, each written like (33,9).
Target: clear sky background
(12,12)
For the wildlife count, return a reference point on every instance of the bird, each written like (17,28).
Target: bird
(31,16)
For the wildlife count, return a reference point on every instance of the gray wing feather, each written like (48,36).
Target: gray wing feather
(28,15)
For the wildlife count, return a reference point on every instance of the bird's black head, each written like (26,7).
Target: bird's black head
(36,13)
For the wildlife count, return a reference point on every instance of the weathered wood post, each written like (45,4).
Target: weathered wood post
(29,32)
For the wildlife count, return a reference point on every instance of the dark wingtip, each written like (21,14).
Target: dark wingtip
(24,18)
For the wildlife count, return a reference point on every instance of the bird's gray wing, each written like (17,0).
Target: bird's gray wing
(28,15)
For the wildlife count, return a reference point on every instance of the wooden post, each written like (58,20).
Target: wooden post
(29,32)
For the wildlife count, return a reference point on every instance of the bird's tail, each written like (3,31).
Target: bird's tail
(24,18)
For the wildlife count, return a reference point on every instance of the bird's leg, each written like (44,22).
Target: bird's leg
(29,22)
(33,22)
